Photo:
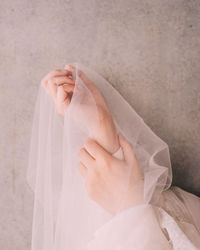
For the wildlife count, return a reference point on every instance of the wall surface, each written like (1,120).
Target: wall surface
(149,50)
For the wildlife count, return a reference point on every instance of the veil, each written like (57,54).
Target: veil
(64,217)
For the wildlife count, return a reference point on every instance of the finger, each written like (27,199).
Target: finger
(69,67)
(99,98)
(62,100)
(91,86)
(62,80)
(83,170)
(68,88)
(85,158)
(94,149)
(54,73)
(127,149)
(52,89)
(84,78)
(54,82)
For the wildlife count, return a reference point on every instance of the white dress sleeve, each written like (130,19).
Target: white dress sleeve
(136,228)
(146,227)
(179,216)
(182,235)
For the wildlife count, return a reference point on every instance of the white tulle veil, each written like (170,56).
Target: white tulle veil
(65,218)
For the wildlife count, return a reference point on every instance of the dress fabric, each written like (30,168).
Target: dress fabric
(173,225)
(65,218)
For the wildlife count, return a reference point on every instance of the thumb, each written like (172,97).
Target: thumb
(127,149)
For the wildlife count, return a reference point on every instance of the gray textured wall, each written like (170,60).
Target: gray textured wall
(148,50)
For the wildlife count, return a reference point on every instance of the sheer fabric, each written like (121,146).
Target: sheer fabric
(64,216)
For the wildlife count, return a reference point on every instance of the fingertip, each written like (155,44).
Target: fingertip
(69,67)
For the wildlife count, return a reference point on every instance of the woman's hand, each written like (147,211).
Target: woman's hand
(104,132)
(114,184)
(60,86)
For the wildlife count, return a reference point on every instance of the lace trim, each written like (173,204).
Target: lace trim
(177,238)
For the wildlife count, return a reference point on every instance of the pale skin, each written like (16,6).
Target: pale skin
(60,86)
(112,183)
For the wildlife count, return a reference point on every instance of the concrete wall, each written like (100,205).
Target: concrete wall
(148,50)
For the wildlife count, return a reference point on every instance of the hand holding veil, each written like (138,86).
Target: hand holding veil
(65,217)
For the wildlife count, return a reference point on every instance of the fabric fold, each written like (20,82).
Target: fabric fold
(64,215)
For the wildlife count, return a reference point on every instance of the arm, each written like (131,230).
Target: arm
(60,86)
